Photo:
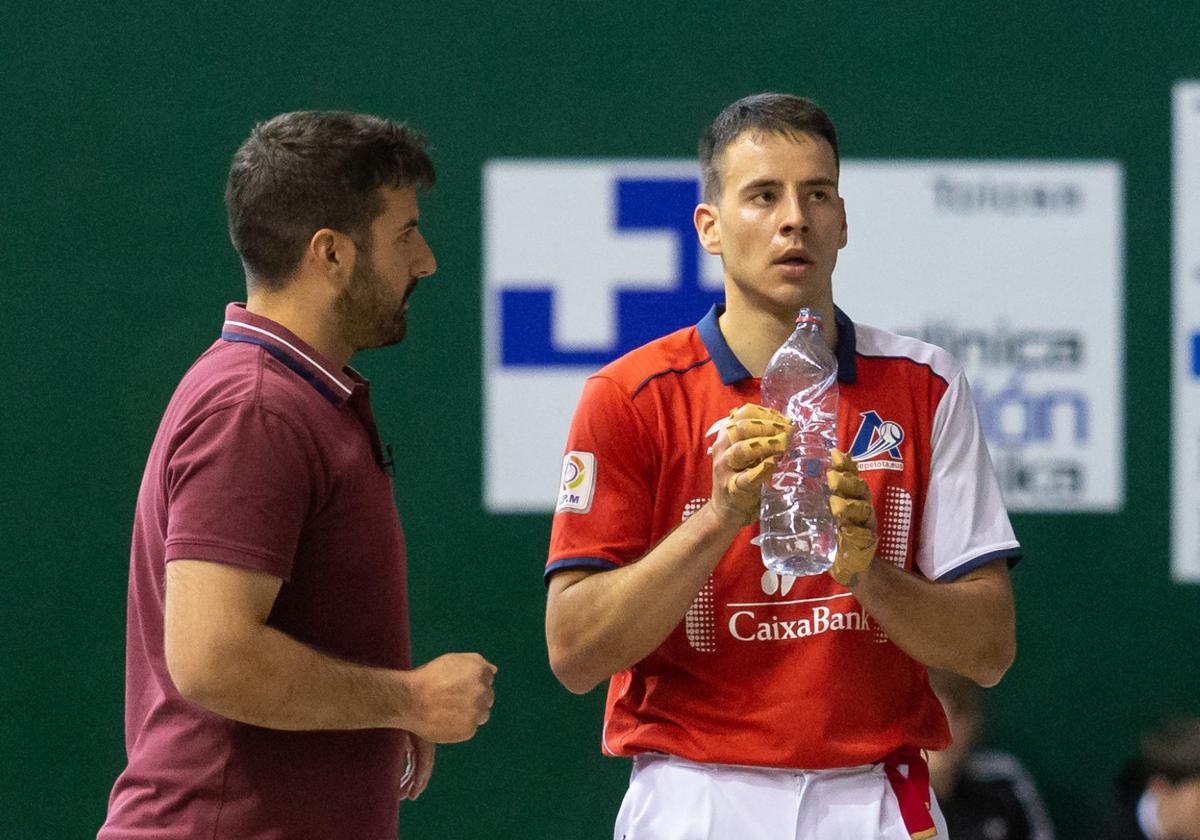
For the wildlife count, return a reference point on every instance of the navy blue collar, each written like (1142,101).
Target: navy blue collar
(323,374)
(731,368)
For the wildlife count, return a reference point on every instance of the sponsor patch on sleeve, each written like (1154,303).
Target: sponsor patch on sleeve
(578,482)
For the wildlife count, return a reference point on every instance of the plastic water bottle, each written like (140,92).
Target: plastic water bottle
(796,530)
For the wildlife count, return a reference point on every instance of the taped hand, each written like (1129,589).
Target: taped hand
(857,530)
(744,455)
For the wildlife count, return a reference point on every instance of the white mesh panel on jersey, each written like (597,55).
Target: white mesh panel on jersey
(700,623)
(895,525)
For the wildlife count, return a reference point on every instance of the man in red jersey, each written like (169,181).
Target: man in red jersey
(755,705)
(269,689)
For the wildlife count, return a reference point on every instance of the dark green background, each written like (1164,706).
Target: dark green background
(118,125)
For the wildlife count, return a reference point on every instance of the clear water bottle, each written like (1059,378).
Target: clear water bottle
(796,529)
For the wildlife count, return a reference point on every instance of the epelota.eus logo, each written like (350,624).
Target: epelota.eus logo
(877,443)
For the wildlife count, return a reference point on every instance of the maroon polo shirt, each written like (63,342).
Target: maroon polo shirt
(267,459)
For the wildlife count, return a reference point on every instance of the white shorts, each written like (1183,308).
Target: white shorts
(670,798)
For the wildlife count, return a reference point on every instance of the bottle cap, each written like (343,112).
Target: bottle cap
(807,316)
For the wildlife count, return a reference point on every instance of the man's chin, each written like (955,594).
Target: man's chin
(393,338)
(387,336)
(399,329)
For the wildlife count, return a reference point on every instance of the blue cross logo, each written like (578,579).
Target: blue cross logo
(661,204)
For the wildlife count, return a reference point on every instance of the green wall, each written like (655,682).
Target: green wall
(118,125)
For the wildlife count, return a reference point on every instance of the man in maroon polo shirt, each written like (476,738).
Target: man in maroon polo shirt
(269,690)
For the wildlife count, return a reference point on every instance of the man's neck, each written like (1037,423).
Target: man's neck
(311,324)
(754,335)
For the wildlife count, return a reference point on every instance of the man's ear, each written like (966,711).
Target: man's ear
(844,239)
(1158,784)
(706,218)
(331,254)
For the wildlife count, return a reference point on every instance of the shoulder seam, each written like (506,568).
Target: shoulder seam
(627,402)
(664,372)
(255,403)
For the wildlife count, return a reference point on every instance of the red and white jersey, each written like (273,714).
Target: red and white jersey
(768,670)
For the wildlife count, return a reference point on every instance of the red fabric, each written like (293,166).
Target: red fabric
(759,671)
(909,776)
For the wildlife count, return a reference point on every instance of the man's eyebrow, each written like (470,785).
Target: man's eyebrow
(775,182)
(762,182)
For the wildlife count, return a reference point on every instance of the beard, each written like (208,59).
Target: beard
(366,315)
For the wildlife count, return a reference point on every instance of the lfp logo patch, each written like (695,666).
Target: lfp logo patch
(877,443)
(583,262)
(578,482)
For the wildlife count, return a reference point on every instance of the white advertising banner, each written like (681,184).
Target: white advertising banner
(1014,267)
(583,261)
(1185,442)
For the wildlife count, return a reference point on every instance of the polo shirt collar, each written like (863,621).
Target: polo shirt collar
(731,368)
(333,383)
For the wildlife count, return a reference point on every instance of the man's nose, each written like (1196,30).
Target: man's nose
(794,217)
(427,263)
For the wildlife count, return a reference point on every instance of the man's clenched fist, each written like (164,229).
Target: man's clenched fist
(452,696)
(857,531)
(744,455)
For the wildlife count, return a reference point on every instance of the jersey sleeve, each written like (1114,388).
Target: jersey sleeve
(603,517)
(964,524)
(238,489)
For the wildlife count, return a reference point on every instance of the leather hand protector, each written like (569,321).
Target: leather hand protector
(757,436)
(756,421)
(857,530)
(744,488)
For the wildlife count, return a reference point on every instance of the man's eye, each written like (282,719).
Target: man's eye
(764,197)
(820,195)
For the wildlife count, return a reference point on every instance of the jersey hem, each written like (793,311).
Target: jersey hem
(863,761)
(597,563)
(1013,556)
(227,555)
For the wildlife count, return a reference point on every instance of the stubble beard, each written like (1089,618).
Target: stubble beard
(364,314)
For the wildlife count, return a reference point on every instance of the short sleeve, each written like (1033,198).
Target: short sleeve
(605,505)
(238,488)
(965,524)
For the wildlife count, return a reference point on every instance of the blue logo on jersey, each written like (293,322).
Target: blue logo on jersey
(1196,355)
(875,437)
(657,204)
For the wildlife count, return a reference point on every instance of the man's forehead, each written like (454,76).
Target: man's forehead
(398,201)
(761,136)
(758,149)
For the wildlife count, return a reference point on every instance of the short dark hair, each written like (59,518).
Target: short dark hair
(305,170)
(762,113)
(1172,749)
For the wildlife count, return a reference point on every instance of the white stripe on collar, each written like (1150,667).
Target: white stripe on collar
(293,348)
